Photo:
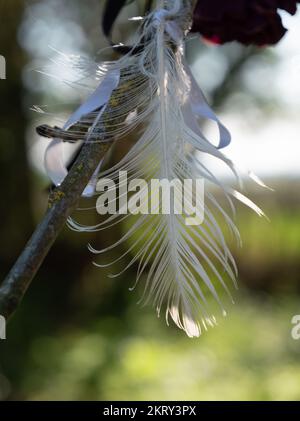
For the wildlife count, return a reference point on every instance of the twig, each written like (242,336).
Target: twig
(62,202)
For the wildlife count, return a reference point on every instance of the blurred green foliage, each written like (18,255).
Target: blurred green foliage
(249,356)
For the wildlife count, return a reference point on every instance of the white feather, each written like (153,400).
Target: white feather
(158,92)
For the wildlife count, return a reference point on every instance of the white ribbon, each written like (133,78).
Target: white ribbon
(54,162)
(199,107)
(172,29)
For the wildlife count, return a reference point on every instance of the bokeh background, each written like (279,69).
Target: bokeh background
(80,334)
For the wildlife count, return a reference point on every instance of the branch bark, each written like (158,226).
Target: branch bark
(62,202)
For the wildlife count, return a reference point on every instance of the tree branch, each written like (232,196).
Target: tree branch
(62,202)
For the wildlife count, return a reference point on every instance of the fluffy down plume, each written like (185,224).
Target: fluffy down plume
(151,91)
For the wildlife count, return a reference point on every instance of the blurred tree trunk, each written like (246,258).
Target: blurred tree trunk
(16,221)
